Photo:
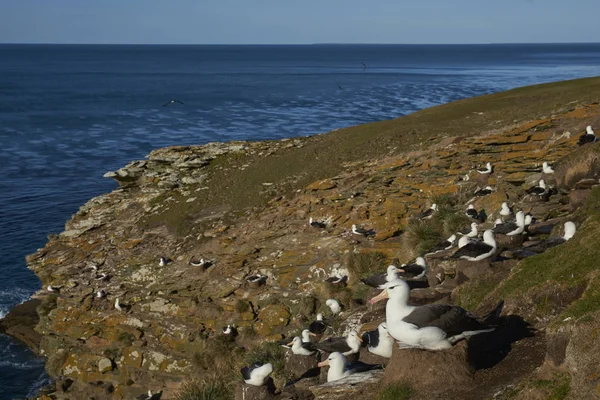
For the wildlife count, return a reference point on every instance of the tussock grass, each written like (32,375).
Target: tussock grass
(206,389)
(395,391)
(423,234)
(362,265)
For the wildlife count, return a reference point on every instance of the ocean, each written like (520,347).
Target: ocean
(68,114)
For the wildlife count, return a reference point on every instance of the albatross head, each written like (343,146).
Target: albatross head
(451,239)
(421,261)
(354,340)
(306,334)
(434,207)
(520,218)
(296,342)
(391,272)
(383,330)
(397,290)
(471,207)
(589,130)
(319,317)
(337,364)
(488,238)
(542,184)
(570,230)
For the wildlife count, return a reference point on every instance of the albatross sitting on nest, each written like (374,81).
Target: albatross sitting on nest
(431,327)
(587,137)
(477,251)
(512,228)
(379,341)
(345,345)
(257,373)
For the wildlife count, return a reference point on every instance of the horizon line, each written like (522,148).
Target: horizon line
(289,44)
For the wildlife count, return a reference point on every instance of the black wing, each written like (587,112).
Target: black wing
(585,138)
(473,249)
(375,280)
(317,327)
(471,212)
(505,228)
(441,246)
(333,344)
(411,271)
(370,339)
(451,319)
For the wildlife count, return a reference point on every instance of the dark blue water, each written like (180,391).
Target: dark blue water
(68,114)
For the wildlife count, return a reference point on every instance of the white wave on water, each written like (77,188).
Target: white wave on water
(11,298)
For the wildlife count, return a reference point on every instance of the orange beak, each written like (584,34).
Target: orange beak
(323,363)
(381,296)
(312,334)
(359,338)
(290,343)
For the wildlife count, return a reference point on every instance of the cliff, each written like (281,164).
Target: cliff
(245,206)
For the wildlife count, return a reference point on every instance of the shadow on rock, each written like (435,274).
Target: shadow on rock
(487,350)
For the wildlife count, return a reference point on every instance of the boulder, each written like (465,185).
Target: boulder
(20,323)
(243,391)
(430,371)
(298,365)
(354,386)
(583,164)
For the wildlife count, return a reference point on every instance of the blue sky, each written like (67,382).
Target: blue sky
(296,22)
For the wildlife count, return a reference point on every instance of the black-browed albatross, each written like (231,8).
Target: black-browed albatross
(477,251)
(433,326)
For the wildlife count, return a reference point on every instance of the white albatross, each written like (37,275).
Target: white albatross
(379,341)
(257,373)
(301,348)
(547,169)
(477,251)
(431,327)
(472,233)
(512,228)
(337,366)
(334,306)
(488,169)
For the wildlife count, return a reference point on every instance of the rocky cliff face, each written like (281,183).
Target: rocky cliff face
(245,207)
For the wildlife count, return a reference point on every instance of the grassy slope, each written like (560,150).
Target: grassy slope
(322,156)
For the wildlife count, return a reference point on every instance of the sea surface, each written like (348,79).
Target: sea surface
(68,114)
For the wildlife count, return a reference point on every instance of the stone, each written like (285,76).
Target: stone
(298,365)
(243,391)
(325,184)
(20,323)
(272,318)
(430,371)
(354,386)
(105,365)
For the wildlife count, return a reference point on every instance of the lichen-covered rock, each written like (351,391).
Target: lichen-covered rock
(272,318)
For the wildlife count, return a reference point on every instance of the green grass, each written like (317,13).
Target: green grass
(587,304)
(323,156)
(470,294)
(556,389)
(272,353)
(423,234)
(569,263)
(396,391)
(206,389)
(365,264)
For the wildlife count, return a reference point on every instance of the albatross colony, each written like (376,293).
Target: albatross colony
(431,327)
